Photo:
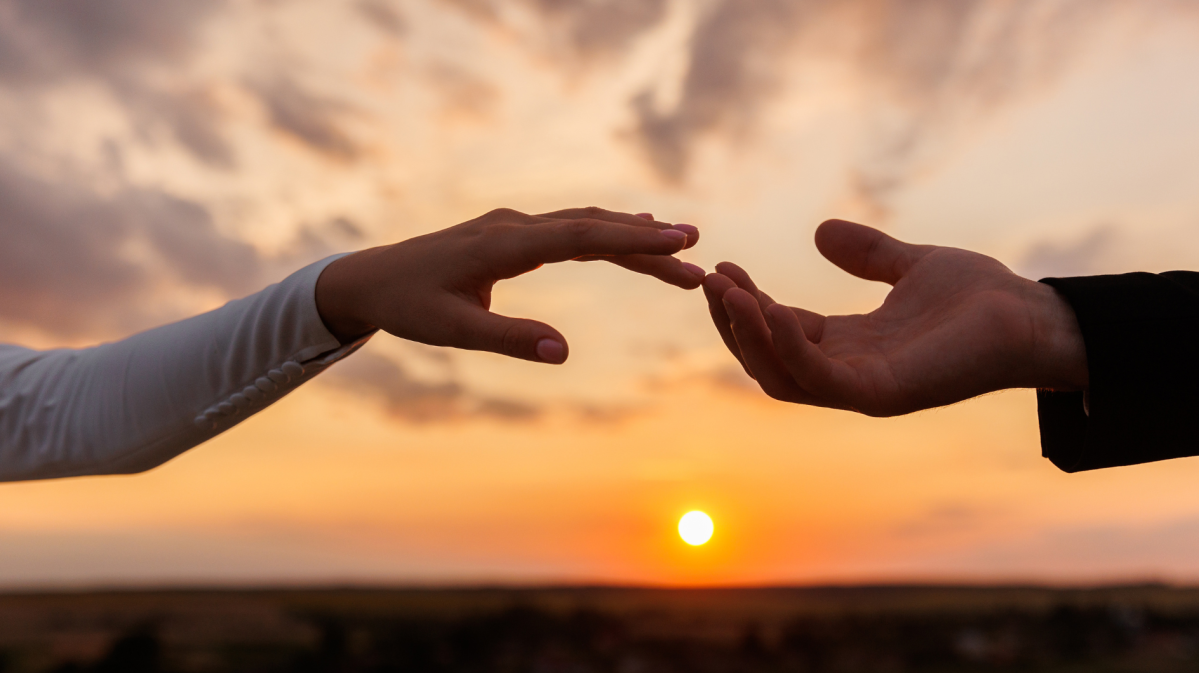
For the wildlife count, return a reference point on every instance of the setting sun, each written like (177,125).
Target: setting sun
(695,528)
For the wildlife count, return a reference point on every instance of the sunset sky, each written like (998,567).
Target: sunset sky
(158,159)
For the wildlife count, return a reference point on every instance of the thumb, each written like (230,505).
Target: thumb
(481,330)
(866,252)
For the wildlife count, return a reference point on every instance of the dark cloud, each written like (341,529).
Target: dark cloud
(384,16)
(66,265)
(407,398)
(42,39)
(1084,257)
(601,27)
(306,117)
(587,28)
(121,44)
(190,117)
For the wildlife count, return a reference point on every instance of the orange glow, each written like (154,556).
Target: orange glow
(473,468)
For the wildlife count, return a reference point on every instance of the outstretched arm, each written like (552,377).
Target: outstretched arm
(128,406)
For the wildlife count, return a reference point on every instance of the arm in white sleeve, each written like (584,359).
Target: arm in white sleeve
(131,405)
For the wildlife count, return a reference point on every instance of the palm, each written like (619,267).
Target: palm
(910,352)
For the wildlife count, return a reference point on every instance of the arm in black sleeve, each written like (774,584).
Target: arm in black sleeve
(1140,331)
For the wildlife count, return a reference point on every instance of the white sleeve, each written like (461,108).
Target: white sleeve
(131,405)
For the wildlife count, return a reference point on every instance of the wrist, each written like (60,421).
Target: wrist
(1059,353)
(337,300)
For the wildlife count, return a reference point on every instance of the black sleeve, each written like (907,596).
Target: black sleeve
(1142,338)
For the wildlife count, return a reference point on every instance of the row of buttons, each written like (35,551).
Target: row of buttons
(265,385)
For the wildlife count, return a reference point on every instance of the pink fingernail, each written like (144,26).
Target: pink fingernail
(690,230)
(647,216)
(695,269)
(674,235)
(551,351)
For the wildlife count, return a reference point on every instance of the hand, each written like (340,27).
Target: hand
(436,289)
(957,324)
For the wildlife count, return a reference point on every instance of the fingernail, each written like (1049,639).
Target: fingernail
(551,351)
(690,230)
(674,235)
(695,269)
(647,216)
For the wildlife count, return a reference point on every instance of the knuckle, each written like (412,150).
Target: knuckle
(594,211)
(504,214)
(581,228)
(512,340)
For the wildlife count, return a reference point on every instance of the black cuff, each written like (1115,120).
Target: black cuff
(1140,333)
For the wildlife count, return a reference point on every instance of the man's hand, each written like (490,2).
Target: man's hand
(436,289)
(957,324)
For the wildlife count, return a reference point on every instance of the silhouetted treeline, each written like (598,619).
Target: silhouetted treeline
(617,630)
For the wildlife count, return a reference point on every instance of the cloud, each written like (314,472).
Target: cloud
(464,95)
(923,67)
(126,45)
(734,64)
(190,116)
(1088,552)
(1084,257)
(600,27)
(384,16)
(306,117)
(42,39)
(949,518)
(409,399)
(66,264)
(588,29)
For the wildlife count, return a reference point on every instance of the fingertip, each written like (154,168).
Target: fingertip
(718,283)
(727,268)
(697,271)
(551,351)
(674,236)
(691,231)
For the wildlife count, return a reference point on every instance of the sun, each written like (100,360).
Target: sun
(695,528)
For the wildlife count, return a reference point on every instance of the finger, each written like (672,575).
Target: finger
(813,371)
(743,281)
(812,323)
(865,252)
(664,268)
(754,339)
(715,285)
(639,219)
(476,328)
(562,240)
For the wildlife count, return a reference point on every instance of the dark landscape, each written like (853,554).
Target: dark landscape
(622,630)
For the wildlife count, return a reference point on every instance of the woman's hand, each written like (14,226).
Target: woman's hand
(957,324)
(436,289)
